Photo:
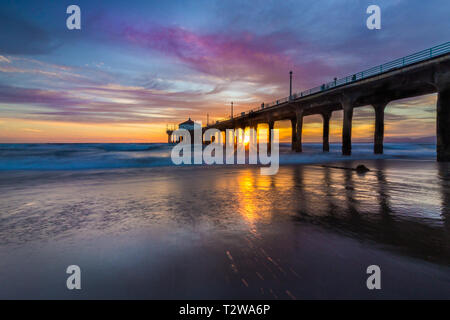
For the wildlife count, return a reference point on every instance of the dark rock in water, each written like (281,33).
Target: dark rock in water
(362,168)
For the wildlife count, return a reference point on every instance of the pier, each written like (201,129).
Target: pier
(421,73)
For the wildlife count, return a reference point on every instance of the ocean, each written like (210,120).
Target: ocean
(83,156)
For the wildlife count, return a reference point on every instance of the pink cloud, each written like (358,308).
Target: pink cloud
(79,106)
(245,56)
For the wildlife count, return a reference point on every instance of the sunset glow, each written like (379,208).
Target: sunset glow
(128,73)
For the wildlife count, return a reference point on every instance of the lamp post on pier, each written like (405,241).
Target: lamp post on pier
(231,109)
(290,85)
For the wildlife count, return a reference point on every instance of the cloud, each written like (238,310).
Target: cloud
(31,130)
(20,36)
(232,56)
(216,54)
(110,103)
(133,70)
(4,59)
(27,71)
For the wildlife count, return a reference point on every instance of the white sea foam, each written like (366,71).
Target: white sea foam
(111,155)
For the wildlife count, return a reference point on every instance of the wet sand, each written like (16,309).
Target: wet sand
(227,232)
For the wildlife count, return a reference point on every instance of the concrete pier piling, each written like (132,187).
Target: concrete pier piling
(443,125)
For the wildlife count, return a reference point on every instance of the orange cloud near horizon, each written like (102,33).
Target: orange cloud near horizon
(409,118)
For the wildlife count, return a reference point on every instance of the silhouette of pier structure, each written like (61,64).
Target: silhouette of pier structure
(421,73)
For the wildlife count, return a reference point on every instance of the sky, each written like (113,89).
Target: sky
(137,65)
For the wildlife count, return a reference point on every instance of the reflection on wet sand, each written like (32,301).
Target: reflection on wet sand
(444,178)
(375,206)
(228,232)
(362,208)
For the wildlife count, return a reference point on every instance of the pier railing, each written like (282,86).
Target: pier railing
(389,66)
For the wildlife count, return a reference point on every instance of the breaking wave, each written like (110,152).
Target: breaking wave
(137,155)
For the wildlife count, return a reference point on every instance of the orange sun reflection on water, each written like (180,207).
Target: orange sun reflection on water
(253,205)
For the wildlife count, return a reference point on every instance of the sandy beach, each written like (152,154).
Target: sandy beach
(227,232)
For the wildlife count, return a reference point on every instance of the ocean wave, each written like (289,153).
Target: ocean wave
(135,155)
(131,146)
